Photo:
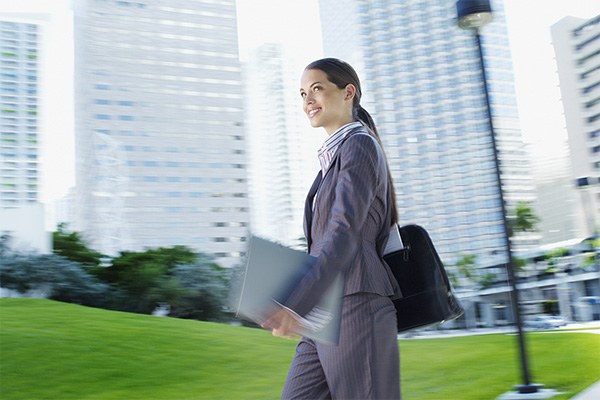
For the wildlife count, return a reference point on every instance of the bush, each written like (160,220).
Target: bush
(53,276)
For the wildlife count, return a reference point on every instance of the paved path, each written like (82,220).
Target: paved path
(591,393)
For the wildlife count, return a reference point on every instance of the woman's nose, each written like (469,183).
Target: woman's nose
(308,99)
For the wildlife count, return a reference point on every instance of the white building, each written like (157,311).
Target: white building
(21,213)
(160,144)
(577,48)
(20,43)
(557,199)
(282,146)
(423,80)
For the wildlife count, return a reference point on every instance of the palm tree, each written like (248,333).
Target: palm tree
(524,219)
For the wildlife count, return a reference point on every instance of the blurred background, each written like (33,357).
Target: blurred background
(152,130)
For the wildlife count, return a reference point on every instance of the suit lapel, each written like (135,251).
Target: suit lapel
(308,209)
(308,205)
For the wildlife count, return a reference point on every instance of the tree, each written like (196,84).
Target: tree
(192,284)
(205,287)
(523,220)
(146,278)
(5,239)
(466,265)
(487,280)
(519,263)
(72,246)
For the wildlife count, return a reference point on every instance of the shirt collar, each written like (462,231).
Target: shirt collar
(329,148)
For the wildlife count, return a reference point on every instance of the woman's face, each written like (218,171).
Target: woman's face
(325,104)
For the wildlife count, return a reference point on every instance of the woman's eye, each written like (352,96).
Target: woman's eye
(316,88)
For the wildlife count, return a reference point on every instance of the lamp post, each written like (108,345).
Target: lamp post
(473,15)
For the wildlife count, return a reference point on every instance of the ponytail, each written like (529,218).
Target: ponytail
(363,115)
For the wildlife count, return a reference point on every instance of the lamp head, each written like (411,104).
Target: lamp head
(473,14)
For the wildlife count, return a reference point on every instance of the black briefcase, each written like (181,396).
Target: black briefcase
(427,297)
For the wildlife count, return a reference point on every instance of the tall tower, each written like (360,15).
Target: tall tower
(426,94)
(282,145)
(21,213)
(577,48)
(19,102)
(160,144)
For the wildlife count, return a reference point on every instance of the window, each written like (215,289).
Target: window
(591,87)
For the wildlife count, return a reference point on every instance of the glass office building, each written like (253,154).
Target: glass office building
(424,88)
(160,141)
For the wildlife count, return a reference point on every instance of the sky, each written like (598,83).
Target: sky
(297,24)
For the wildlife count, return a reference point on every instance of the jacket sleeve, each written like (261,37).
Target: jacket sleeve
(355,190)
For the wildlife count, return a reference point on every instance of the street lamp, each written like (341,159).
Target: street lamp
(473,15)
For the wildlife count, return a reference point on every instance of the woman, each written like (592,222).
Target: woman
(350,209)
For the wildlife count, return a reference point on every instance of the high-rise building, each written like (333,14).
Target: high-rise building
(424,84)
(577,48)
(19,122)
(160,144)
(556,202)
(282,145)
(21,213)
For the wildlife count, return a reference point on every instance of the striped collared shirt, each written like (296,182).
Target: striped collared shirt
(327,151)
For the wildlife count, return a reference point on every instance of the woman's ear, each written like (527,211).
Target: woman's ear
(350,91)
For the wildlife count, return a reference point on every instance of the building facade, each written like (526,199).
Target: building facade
(282,146)
(577,48)
(160,146)
(557,200)
(21,213)
(425,91)
(19,121)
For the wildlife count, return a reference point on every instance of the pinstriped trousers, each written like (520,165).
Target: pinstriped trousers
(364,365)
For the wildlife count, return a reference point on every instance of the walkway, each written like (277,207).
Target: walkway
(591,393)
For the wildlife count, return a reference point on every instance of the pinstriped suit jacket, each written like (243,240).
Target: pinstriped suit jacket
(347,222)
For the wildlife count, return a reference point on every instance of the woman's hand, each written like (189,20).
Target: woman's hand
(283,323)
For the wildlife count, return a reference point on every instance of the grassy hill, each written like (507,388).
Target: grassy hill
(52,350)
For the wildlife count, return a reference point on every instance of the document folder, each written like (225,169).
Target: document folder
(272,268)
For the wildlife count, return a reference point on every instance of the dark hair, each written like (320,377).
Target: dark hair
(340,73)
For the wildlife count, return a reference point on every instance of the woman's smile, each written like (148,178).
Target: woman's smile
(312,112)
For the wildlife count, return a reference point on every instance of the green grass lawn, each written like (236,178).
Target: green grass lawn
(52,350)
